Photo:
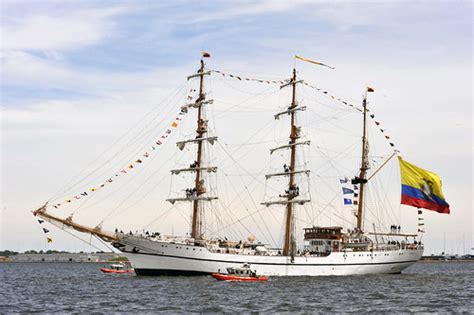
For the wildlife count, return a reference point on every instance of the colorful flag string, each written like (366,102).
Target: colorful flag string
(46,231)
(125,170)
(421,223)
(241,78)
(323,91)
(334,98)
(383,131)
(377,123)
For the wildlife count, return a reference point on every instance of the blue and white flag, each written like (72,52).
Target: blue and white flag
(347,191)
(344,180)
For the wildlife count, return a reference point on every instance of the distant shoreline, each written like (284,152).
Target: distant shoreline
(50,261)
(63,257)
(442,260)
(108,262)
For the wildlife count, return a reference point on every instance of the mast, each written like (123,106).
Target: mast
(198,186)
(195,194)
(364,166)
(289,237)
(292,192)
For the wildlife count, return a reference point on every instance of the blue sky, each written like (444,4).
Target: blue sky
(65,61)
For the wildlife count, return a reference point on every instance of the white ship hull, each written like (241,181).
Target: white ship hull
(165,258)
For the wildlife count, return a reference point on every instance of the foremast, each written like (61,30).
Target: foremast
(292,192)
(195,194)
(198,186)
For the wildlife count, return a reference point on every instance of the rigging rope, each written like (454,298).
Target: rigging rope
(131,165)
(323,91)
(70,186)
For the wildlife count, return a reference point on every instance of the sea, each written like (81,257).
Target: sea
(83,288)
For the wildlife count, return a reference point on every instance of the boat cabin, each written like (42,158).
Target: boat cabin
(322,240)
(243,271)
(118,266)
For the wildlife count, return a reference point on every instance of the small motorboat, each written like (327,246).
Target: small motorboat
(243,273)
(118,268)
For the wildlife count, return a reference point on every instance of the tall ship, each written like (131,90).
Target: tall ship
(314,250)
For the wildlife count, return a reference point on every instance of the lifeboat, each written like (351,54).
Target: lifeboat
(117,268)
(243,274)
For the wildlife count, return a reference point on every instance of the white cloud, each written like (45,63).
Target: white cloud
(62,31)
(24,69)
(21,67)
(252,8)
(342,14)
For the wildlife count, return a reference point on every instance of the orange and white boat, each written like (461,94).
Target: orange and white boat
(243,273)
(117,268)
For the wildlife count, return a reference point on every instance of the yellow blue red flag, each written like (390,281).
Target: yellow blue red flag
(421,188)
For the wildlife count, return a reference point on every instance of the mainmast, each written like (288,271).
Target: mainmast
(195,193)
(364,166)
(293,191)
(294,134)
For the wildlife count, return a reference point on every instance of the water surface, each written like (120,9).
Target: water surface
(76,287)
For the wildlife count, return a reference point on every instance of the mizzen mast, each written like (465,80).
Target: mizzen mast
(293,191)
(196,193)
(364,166)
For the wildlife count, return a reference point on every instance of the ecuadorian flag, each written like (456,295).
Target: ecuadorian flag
(421,188)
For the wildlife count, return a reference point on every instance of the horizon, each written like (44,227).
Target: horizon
(35,251)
